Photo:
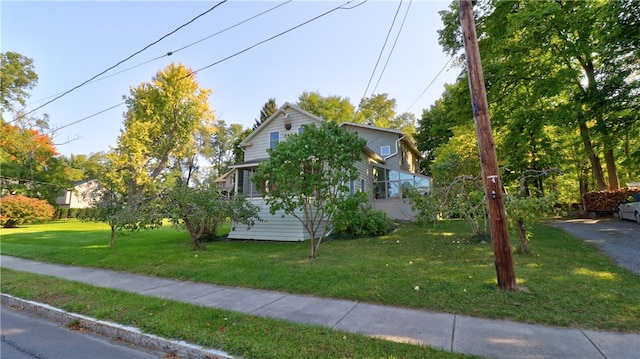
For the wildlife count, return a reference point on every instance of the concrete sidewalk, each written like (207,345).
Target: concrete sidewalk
(457,333)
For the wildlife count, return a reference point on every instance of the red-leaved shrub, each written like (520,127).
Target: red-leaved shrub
(15,210)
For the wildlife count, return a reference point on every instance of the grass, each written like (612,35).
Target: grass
(237,334)
(564,282)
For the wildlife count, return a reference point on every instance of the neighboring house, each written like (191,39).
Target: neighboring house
(79,196)
(389,163)
(225,184)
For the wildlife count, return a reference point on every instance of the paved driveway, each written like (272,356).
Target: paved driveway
(619,239)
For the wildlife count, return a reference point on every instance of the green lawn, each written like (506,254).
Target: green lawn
(564,282)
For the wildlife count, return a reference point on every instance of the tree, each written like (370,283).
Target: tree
(201,211)
(330,108)
(15,210)
(306,180)
(29,163)
(224,143)
(16,76)
(268,109)
(167,123)
(573,62)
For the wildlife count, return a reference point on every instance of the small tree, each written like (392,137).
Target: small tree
(307,176)
(523,209)
(15,210)
(202,211)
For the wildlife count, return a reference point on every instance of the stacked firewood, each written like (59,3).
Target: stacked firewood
(606,201)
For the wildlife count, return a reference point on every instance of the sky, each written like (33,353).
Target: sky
(335,54)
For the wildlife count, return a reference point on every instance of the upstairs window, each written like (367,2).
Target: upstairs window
(385,150)
(274,138)
(300,130)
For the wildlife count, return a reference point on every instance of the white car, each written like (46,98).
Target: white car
(630,209)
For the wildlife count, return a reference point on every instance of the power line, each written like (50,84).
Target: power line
(381,52)
(393,47)
(120,62)
(431,83)
(341,7)
(169,53)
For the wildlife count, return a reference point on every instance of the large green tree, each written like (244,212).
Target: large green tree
(167,124)
(306,180)
(565,64)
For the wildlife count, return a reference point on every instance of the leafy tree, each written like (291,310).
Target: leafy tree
(15,210)
(201,211)
(224,143)
(380,110)
(569,64)
(29,163)
(268,109)
(308,181)
(167,123)
(330,108)
(16,76)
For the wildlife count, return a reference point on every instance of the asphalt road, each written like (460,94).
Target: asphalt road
(29,337)
(617,238)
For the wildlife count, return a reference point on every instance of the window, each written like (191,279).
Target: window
(390,184)
(362,185)
(274,138)
(300,130)
(385,150)
(352,188)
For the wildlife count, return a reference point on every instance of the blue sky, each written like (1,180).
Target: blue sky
(71,42)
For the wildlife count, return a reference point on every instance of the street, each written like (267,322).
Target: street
(28,337)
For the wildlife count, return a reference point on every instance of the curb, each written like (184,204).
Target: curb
(130,335)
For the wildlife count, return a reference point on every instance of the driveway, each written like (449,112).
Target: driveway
(618,239)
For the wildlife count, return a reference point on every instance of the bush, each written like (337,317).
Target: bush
(15,210)
(356,219)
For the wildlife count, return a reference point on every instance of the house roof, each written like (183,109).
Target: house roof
(223,177)
(278,114)
(401,135)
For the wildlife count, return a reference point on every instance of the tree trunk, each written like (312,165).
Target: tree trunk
(113,237)
(612,171)
(596,166)
(524,248)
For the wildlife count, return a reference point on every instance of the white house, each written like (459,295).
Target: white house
(389,163)
(79,196)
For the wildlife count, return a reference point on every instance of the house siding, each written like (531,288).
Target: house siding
(261,142)
(274,227)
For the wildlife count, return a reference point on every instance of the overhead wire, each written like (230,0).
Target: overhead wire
(380,55)
(341,7)
(122,61)
(392,47)
(169,53)
(431,83)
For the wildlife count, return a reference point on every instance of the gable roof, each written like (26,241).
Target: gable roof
(401,135)
(278,114)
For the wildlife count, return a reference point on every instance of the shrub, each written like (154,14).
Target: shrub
(357,219)
(15,210)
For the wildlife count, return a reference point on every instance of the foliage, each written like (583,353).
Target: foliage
(380,110)
(268,109)
(15,210)
(16,76)
(29,163)
(560,76)
(202,211)
(331,108)
(167,124)
(224,143)
(306,180)
(523,211)
(356,218)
